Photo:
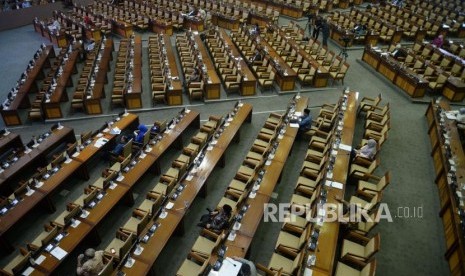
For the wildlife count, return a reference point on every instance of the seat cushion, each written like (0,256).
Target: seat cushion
(131,224)
(300,200)
(277,262)
(189,268)
(203,246)
(237,185)
(288,240)
(345,270)
(352,248)
(115,244)
(146,205)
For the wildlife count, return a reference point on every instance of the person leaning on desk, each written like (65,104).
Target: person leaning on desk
(247,269)
(305,121)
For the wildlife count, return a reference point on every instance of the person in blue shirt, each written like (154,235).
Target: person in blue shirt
(140,133)
(305,123)
(118,150)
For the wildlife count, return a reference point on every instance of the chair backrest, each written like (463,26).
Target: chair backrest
(372,246)
(127,150)
(369,269)
(142,223)
(108,267)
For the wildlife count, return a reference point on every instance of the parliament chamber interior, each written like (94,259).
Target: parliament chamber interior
(128,126)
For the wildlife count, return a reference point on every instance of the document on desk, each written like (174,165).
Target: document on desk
(100,142)
(294,125)
(334,184)
(28,271)
(229,267)
(345,147)
(58,253)
(451,115)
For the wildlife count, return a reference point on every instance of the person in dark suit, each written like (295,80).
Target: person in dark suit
(216,220)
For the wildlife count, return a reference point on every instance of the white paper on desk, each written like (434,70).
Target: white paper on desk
(27,151)
(229,267)
(99,135)
(163,214)
(35,146)
(68,161)
(169,205)
(30,192)
(40,259)
(450,115)
(231,236)
(76,154)
(334,184)
(189,177)
(115,130)
(298,113)
(209,148)
(76,223)
(28,271)
(187,111)
(120,178)
(226,124)
(308,272)
(142,155)
(294,125)
(345,147)
(40,184)
(58,253)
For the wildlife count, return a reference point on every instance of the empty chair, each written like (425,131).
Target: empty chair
(343,269)
(292,242)
(193,265)
(378,186)
(288,263)
(360,247)
(206,243)
(367,104)
(137,222)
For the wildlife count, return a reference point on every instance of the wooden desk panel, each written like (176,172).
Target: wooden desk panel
(10,141)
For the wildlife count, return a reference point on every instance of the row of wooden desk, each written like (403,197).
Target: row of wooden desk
(52,106)
(56,37)
(254,214)
(212,87)
(451,195)
(414,85)
(248,81)
(92,103)
(326,254)
(10,116)
(321,75)
(77,166)
(122,190)
(34,158)
(173,93)
(192,187)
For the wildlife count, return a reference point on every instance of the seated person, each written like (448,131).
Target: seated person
(368,151)
(55,26)
(257,57)
(216,220)
(88,21)
(195,76)
(305,122)
(397,53)
(90,46)
(90,263)
(248,268)
(118,150)
(139,134)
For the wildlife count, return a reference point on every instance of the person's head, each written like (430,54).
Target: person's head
(89,253)
(245,270)
(124,139)
(306,111)
(227,209)
(142,128)
(441,37)
(372,143)
(462,110)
